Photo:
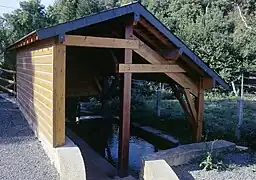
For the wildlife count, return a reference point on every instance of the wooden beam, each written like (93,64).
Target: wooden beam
(147,38)
(59,72)
(208,83)
(178,94)
(7,80)
(124,133)
(154,58)
(199,103)
(149,68)
(8,71)
(100,42)
(155,32)
(190,103)
(174,54)
(97,82)
(9,90)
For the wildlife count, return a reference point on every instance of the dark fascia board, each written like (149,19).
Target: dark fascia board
(135,8)
(86,21)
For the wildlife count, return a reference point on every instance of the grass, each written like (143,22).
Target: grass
(220,118)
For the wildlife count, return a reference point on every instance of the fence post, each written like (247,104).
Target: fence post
(14,84)
(240,109)
(158,101)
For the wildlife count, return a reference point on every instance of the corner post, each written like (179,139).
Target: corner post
(125,103)
(199,103)
(59,81)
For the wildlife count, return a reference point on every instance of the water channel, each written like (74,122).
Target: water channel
(102,136)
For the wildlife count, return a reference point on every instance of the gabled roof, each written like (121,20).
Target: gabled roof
(137,9)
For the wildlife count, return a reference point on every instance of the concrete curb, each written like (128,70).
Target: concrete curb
(157,170)
(67,159)
(185,153)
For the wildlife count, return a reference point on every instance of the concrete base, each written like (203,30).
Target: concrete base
(67,159)
(157,170)
(186,153)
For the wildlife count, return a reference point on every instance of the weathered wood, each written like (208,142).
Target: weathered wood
(240,109)
(158,101)
(36,52)
(46,59)
(96,80)
(7,80)
(36,67)
(124,133)
(59,71)
(154,58)
(35,85)
(190,103)
(8,71)
(208,83)
(155,32)
(43,94)
(178,94)
(35,80)
(147,38)
(174,54)
(199,103)
(39,74)
(37,112)
(101,42)
(8,90)
(149,68)
(37,105)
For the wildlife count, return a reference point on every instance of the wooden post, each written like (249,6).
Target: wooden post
(240,109)
(59,80)
(158,101)
(104,96)
(199,103)
(124,129)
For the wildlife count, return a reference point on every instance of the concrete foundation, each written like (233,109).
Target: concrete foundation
(67,159)
(185,153)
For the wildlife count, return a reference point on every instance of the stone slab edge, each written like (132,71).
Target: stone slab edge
(185,153)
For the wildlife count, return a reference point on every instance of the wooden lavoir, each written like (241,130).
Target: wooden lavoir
(72,59)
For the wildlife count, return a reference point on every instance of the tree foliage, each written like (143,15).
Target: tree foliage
(221,32)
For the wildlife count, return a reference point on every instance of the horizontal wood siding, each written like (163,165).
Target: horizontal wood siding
(35,86)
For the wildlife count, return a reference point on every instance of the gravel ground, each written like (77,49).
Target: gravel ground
(21,154)
(240,166)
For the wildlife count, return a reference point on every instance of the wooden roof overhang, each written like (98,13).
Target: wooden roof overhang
(148,28)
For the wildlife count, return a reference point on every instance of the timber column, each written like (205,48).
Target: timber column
(125,103)
(199,103)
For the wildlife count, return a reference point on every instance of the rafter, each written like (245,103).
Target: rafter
(174,54)
(154,58)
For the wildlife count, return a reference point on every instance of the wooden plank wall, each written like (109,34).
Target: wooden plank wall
(35,86)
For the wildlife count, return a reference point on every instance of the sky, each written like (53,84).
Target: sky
(10,5)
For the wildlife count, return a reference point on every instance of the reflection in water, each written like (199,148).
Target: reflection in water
(102,136)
